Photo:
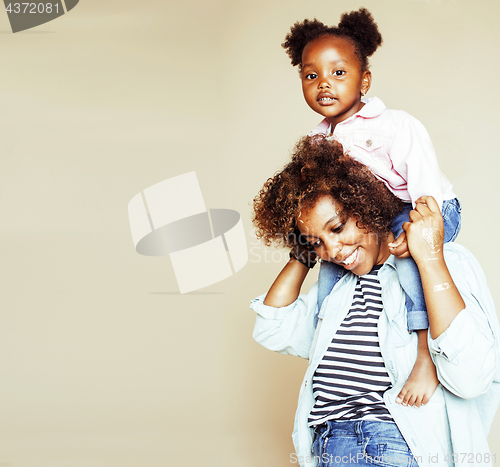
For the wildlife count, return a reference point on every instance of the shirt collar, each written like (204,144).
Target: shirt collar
(391,261)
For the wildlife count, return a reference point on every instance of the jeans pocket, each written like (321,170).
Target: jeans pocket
(319,442)
(389,453)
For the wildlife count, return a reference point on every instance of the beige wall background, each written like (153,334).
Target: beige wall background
(102,362)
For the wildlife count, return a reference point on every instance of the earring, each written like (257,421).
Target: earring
(363,93)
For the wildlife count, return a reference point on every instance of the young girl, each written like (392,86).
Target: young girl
(333,66)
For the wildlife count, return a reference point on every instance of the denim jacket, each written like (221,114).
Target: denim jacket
(452,427)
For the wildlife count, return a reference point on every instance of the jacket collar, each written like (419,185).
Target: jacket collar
(373,108)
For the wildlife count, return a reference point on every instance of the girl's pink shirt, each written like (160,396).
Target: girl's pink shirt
(397,149)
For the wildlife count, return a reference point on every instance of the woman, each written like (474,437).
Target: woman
(323,203)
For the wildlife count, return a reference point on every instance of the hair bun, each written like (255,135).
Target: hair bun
(361,26)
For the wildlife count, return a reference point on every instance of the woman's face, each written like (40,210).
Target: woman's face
(340,242)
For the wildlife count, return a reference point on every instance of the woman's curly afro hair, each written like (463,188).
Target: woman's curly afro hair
(320,167)
(358,27)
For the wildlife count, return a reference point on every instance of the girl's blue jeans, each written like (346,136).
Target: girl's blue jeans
(361,443)
(409,277)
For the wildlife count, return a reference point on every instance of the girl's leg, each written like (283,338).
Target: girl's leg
(422,381)
(452,219)
(407,269)
(329,275)
(409,278)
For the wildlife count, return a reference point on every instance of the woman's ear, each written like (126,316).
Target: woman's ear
(366,82)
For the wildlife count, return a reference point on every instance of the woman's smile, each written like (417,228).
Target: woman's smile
(341,241)
(350,259)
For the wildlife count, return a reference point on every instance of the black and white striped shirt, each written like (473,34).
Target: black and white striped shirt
(351,379)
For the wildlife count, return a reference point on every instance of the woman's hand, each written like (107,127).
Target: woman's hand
(303,252)
(425,231)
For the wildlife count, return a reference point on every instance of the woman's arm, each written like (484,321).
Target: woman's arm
(285,319)
(286,287)
(463,324)
(425,236)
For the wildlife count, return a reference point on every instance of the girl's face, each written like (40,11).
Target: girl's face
(332,79)
(343,243)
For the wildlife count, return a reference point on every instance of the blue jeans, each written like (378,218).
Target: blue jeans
(361,443)
(409,277)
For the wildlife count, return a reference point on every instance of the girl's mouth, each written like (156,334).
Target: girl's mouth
(326,100)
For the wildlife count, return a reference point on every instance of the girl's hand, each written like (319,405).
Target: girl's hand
(425,231)
(399,247)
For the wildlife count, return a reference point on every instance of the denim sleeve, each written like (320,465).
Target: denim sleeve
(467,354)
(289,329)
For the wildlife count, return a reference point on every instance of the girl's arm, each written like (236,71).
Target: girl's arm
(425,236)
(286,287)
(414,158)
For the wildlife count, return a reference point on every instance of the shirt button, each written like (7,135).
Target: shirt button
(369,142)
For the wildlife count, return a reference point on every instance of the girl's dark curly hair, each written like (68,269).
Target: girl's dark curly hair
(320,167)
(358,27)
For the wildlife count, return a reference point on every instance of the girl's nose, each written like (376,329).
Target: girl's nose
(324,84)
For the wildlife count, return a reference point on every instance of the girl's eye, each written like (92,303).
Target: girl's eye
(338,228)
(311,76)
(339,73)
